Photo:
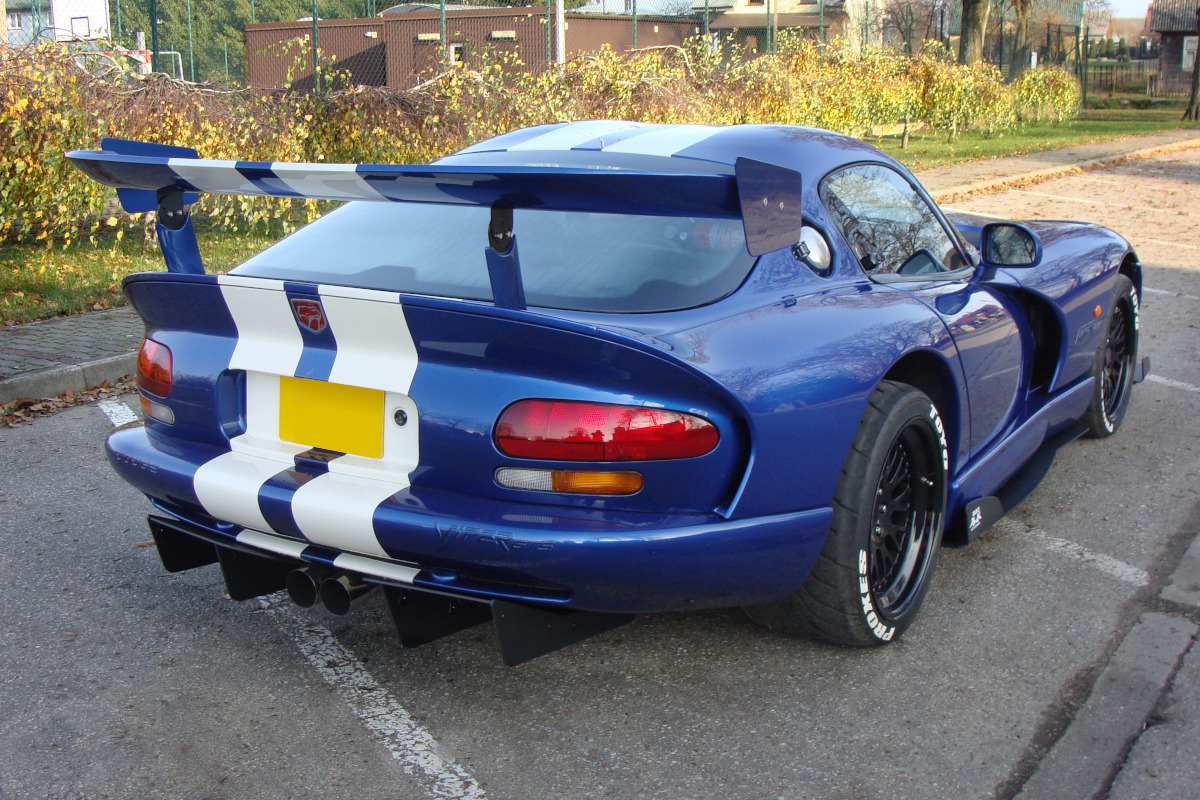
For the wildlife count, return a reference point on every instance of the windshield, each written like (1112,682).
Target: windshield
(569,260)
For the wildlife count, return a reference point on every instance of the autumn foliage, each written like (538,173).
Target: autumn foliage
(50,103)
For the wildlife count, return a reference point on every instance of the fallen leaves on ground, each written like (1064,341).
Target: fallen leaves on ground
(27,409)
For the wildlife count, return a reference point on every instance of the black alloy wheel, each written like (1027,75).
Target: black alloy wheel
(906,520)
(1114,363)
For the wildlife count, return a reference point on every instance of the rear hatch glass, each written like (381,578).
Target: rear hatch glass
(570,260)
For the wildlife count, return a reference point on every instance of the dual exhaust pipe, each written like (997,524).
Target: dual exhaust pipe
(337,591)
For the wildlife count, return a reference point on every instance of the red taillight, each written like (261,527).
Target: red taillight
(571,431)
(154,368)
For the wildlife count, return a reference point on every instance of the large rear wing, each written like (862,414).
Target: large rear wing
(162,178)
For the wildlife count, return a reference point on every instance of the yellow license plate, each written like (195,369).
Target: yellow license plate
(332,416)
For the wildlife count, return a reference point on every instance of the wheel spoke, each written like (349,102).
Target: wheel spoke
(1118,356)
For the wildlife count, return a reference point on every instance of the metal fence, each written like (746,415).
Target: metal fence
(305,43)
(277,42)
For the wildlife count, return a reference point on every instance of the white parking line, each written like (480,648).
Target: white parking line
(1105,563)
(953,210)
(1170,244)
(1090,179)
(1187,387)
(408,742)
(1130,206)
(1172,294)
(117,412)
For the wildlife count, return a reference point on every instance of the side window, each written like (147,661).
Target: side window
(889,227)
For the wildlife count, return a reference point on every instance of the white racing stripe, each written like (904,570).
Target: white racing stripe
(213,175)
(569,136)
(665,141)
(338,511)
(1113,567)
(227,487)
(409,743)
(330,181)
(267,337)
(117,412)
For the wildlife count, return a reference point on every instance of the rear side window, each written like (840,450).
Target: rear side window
(569,260)
(887,223)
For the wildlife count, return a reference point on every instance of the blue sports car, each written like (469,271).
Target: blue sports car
(587,370)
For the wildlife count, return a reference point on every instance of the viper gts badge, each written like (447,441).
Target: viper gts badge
(310,314)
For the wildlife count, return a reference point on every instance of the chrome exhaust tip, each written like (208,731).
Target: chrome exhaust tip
(302,586)
(339,592)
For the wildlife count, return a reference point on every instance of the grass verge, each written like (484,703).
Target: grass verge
(39,282)
(928,150)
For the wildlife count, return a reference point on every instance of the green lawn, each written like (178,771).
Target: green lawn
(38,282)
(1093,125)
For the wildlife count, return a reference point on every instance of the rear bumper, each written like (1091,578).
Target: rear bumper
(617,562)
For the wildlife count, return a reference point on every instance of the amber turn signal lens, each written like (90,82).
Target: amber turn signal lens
(570,481)
(574,482)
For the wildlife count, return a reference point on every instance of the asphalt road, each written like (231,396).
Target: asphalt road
(119,680)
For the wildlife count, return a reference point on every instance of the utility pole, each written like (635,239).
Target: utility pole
(315,44)
(560,33)
(635,24)
(153,35)
(442,34)
(4,21)
(767,38)
(191,51)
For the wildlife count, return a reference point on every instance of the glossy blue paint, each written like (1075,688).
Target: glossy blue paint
(783,367)
(594,560)
(179,247)
(504,272)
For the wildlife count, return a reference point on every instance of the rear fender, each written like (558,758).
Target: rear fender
(472,361)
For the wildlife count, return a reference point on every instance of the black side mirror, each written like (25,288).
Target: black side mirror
(1007,244)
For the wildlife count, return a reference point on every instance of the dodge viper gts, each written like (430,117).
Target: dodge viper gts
(587,370)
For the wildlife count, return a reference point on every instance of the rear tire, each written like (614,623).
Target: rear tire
(888,511)
(1114,363)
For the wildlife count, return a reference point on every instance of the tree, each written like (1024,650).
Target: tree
(914,21)
(1023,9)
(974,28)
(1192,113)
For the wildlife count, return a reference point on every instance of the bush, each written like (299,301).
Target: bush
(50,104)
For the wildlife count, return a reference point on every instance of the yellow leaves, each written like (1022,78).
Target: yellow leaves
(834,86)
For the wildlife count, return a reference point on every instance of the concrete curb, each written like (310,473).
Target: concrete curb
(1038,175)
(76,377)
(1081,762)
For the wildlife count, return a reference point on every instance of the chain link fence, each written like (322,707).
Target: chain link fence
(300,43)
(305,44)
